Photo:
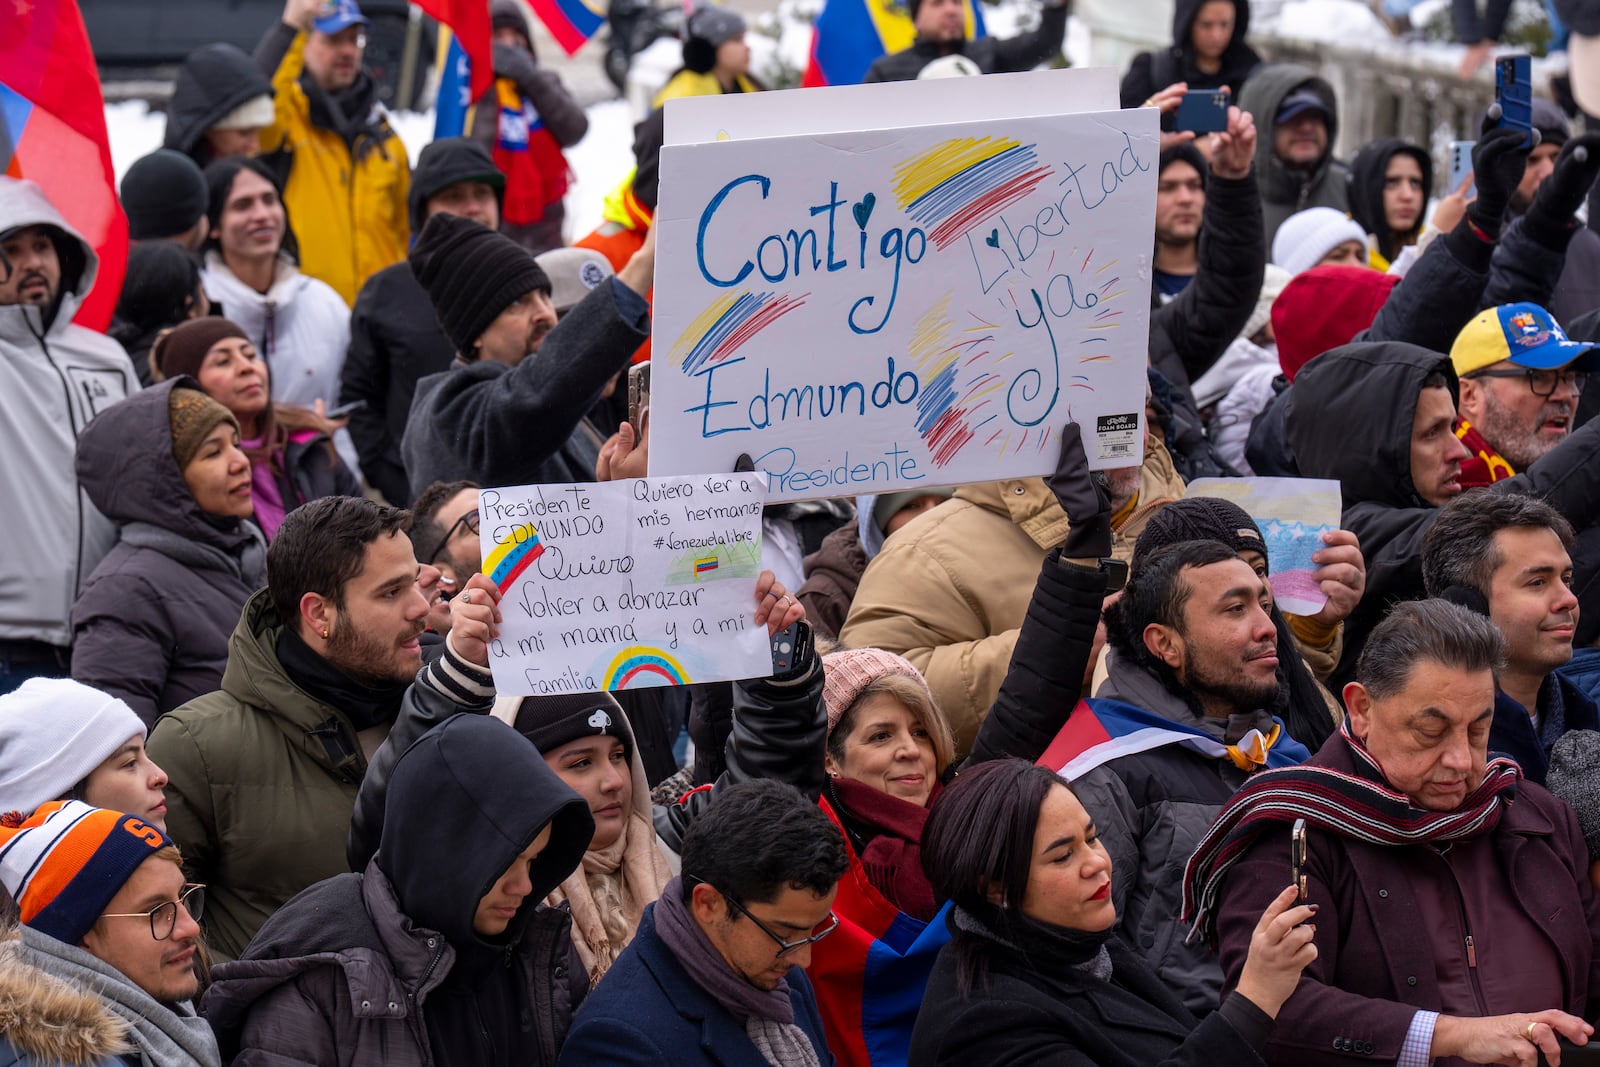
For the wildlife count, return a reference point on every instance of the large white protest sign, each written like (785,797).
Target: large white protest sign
(885,309)
(625,584)
(838,108)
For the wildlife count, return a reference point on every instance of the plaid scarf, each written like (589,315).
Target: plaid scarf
(1361,806)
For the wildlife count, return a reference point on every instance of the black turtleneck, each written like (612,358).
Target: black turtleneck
(364,705)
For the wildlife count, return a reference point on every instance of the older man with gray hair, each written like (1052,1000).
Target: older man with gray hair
(1407,837)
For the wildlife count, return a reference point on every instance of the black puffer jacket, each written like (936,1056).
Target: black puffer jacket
(1153,71)
(152,623)
(385,967)
(1349,417)
(1368,172)
(993,55)
(214,79)
(1283,192)
(1190,332)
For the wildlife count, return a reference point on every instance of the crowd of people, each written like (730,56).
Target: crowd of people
(1046,773)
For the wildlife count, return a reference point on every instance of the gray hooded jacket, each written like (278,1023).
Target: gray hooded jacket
(54,378)
(152,624)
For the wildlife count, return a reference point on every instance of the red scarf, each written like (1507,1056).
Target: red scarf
(1486,466)
(893,856)
(529,156)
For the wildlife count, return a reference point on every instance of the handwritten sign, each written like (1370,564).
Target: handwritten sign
(625,584)
(879,310)
(1292,515)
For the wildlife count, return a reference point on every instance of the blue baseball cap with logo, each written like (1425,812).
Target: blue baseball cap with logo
(1524,334)
(335,16)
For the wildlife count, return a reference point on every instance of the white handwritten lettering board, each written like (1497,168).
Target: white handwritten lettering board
(873,311)
(625,584)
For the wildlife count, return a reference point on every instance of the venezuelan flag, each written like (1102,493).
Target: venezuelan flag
(850,34)
(53,131)
(869,974)
(570,22)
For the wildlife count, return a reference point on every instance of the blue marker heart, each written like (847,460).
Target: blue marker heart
(862,209)
(993,240)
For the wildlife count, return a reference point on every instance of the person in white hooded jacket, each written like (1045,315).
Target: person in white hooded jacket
(54,378)
(299,325)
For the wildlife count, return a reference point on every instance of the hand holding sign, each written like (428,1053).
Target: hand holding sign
(474,620)
(627,583)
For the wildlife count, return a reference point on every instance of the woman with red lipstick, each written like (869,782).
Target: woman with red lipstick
(151,625)
(292,457)
(1034,974)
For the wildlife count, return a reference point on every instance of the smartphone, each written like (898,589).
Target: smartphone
(790,646)
(1297,857)
(638,395)
(1513,91)
(1204,111)
(345,409)
(1461,167)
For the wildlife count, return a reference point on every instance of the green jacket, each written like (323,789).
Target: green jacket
(263,780)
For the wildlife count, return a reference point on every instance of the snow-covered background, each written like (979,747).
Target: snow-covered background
(780,44)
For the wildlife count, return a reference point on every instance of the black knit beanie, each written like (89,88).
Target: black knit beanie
(471,274)
(553,721)
(1200,518)
(164,194)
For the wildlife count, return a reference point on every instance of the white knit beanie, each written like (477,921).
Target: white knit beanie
(1306,236)
(53,732)
(1272,283)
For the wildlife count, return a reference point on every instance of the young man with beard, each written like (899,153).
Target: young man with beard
(55,376)
(1520,382)
(1192,642)
(101,966)
(263,773)
(1180,201)
(1506,556)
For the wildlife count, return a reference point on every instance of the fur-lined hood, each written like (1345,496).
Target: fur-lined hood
(48,1020)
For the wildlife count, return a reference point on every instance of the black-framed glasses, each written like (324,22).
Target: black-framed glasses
(164,917)
(830,924)
(468,521)
(1541,383)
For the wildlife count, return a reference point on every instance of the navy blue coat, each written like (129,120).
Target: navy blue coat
(647,1010)
(1512,734)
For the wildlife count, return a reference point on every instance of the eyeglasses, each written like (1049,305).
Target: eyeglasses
(1542,383)
(784,947)
(164,917)
(468,521)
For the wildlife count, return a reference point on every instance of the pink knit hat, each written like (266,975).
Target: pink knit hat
(848,672)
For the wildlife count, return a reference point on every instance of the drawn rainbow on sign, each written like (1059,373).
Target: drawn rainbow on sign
(728,322)
(642,660)
(959,183)
(509,560)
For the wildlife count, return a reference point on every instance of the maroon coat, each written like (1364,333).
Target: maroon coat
(1375,965)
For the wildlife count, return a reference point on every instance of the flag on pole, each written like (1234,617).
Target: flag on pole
(53,131)
(468,22)
(850,34)
(453,102)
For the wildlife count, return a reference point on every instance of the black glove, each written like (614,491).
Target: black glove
(744,464)
(1499,160)
(1562,193)
(1078,492)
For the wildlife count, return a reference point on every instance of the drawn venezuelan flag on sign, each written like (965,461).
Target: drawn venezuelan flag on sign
(508,561)
(958,183)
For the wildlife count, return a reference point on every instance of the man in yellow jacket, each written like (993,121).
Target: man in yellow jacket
(346,172)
